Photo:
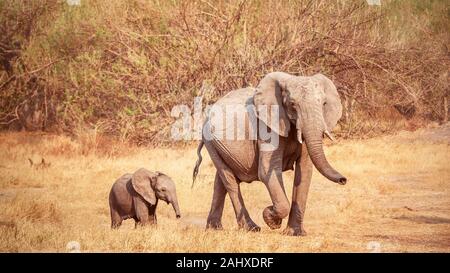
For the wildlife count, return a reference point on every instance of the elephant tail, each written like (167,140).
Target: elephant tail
(199,161)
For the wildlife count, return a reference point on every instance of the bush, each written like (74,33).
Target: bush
(120,66)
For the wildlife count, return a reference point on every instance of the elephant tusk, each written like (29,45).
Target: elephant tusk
(329,135)
(299,131)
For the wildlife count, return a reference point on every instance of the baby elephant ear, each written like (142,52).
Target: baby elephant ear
(142,181)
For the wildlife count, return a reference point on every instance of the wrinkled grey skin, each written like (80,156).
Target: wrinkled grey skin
(309,108)
(136,196)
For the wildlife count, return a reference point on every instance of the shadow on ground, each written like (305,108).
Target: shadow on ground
(424,219)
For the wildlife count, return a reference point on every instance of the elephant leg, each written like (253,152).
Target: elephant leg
(218,201)
(270,173)
(142,212)
(116,220)
(303,174)
(231,184)
(152,214)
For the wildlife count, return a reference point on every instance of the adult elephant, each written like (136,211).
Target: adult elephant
(307,110)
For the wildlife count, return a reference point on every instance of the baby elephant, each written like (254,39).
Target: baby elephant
(136,196)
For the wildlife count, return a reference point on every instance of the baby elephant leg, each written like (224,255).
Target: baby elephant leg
(152,214)
(116,219)
(142,212)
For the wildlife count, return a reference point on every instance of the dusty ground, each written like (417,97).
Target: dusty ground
(397,198)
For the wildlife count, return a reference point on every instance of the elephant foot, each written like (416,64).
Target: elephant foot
(216,225)
(115,225)
(271,220)
(249,225)
(290,231)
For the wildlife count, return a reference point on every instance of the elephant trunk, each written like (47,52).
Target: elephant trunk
(176,208)
(313,139)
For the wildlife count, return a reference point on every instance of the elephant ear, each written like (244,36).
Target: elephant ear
(332,109)
(269,93)
(143,182)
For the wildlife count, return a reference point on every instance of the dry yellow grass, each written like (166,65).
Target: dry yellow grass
(397,199)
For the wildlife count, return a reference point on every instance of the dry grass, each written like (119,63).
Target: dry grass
(398,195)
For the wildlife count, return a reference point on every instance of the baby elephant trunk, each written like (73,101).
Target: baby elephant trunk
(176,208)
